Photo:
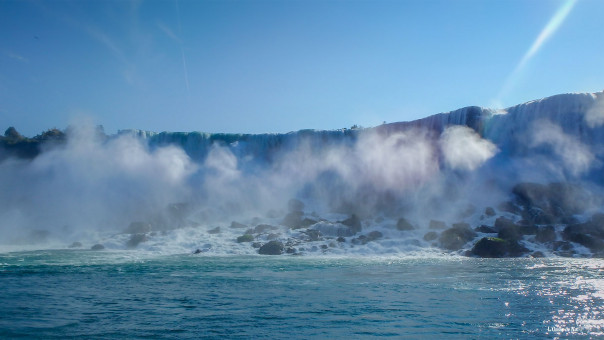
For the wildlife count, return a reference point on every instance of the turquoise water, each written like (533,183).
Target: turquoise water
(85,294)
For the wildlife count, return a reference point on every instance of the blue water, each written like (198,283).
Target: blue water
(85,294)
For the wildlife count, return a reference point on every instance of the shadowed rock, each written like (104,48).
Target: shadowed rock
(272,248)
(403,224)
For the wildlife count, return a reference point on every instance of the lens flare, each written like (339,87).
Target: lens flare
(552,26)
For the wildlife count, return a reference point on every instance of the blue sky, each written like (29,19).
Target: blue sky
(279,66)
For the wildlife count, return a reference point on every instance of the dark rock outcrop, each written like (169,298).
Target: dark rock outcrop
(430,236)
(245,238)
(237,225)
(97,247)
(546,234)
(497,247)
(403,224)
(272,248)
(485,229)
(353,222)
(136,239)
(454,238)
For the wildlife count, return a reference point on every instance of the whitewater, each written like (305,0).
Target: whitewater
(476,223)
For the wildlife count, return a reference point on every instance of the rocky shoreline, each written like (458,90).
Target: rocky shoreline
(539,220)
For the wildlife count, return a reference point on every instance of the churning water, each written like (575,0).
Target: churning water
(132,294)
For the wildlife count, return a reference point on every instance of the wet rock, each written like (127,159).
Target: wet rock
(548,203)
(313,235)
(261,228)
(272,236)
(214,231)
(341,239)
(455,238)
(486,229)
(374,235)
(136,239)
(295,205)
(97,247)
(256,245)
(333,229)
(493,247)
(138,228)
(537,254)
(237,225)
(271,248)
(430,236)
(76,245)
(402,224)
(546,234)
(290,250)
(197,251)
(245,238)
(307,222)
(353,222)
(588,241)
(293,220)
(438,225)
(489,211)
(490,247)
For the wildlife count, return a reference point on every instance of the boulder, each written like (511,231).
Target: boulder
(272,248)
(295,205)
(237,225)
(245,238)
(485,229)
(438,225)
(214,231)
(489,211)
(546,234)
(333,229)
(549,203)
(136,239)
(490,247)
(313,235)
(493,247)
(430,236)
(374,235)
(76,245)
(353,222)
(403,224)
(455,238)
(97,247)
(293,220)
(263,228)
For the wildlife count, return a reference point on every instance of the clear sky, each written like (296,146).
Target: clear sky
(279,66)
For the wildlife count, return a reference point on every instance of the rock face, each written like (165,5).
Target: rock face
(272,248)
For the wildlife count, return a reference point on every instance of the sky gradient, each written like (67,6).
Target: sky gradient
(280,66)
